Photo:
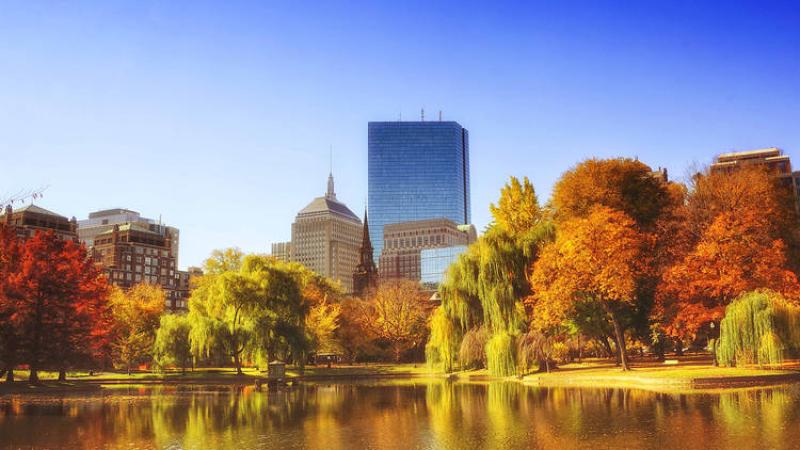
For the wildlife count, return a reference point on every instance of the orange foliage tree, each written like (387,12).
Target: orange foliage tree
(593,259)
(735,254)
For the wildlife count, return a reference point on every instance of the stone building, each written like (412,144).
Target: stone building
(403,243)
(282,251)
(773,159)
(31,218)
(325,238)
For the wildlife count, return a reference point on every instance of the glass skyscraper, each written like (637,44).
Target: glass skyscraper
(417,171)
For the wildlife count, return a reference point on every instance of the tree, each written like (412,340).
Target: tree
(253,309)
(592,259)
(137,314)
(172,345)
(485,287)
(623,184)
(61,310)
(354,333)
(400,314)
(518,210)
(759,327)
(735,254)
(10,256)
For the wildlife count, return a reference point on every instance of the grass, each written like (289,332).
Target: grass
(687,372)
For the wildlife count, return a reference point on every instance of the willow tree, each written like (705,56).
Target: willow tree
(485,287)
(249,309)
(594,259)
(759,328)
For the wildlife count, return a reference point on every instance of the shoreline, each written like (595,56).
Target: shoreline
(686,377)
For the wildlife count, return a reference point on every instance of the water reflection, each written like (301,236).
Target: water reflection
(410,414)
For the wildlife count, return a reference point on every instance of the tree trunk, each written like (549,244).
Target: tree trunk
(678,347)
(606,345)
(238,362)
(62,375)
(623,356)
(714,345)
(34,377)
(397,353)
(10,376)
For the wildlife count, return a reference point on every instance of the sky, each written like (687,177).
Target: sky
(219,117)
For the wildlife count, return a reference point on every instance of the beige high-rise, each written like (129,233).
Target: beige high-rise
(326,238)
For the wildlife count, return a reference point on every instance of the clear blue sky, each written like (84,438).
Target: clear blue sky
(218,116)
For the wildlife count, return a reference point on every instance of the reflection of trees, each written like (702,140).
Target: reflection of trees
(437,414)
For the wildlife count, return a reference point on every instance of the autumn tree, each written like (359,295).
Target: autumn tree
(400,312)
(735,254)
(354,335)
(60,300)
(653,203)
(137,314)
(10,255)
(594,259)
(518,209)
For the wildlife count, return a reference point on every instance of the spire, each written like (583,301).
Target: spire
(365,241)
(331,194)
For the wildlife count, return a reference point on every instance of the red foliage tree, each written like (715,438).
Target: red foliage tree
(9,333)
(62,304)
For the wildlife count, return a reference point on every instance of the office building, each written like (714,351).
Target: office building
(30,219)
(416,171)
(326,238)
(403,243)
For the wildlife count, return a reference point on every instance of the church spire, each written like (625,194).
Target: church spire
(366,274)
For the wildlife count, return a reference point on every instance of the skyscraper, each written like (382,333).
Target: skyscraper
(326,237)
(417,171)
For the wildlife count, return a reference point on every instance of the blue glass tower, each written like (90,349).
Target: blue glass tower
(417,171)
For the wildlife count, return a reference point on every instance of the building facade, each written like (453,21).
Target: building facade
(435,262)
(417,171)
(326,238)
(404,242)
(100,222)
(132,253)
(30,219)
(772,159)
(282,251)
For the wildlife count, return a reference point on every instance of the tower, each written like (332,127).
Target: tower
(366,274)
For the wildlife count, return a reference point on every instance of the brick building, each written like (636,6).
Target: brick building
(31,218)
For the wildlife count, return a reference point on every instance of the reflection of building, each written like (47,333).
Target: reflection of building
(403,242)
(282,251)
(132,253)
(366,275)
(100,222)
(434,263)
(326,237)
(417,171)
(772,159)
(30,218)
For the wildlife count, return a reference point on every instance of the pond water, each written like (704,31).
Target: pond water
(411,414)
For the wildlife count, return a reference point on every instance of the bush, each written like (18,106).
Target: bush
(472,353)
(759,328)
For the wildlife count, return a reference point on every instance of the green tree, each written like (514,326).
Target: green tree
(759,327)
(172,346)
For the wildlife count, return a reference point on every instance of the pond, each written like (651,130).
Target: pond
(411,414)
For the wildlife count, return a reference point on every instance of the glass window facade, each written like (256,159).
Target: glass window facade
(434,263)
(417,171)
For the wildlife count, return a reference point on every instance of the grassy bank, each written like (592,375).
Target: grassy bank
(682,374)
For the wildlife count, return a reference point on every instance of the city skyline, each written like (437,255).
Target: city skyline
(205,111)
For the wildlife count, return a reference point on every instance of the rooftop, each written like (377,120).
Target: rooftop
(31,208)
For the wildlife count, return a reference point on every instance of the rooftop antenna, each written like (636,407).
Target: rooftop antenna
(440,115)
(422,114)
(400,116)
(330,156)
